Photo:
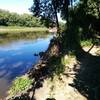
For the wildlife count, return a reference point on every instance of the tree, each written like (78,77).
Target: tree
(4,17)
(80,16)
(14,19)
(50,8)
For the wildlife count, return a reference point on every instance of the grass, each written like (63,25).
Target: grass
(58,64)
(86,43)
(20,84)
(67,59)
(17,29)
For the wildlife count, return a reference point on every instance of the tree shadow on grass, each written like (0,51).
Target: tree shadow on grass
(87,79)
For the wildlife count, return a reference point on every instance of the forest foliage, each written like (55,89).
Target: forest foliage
(27,20)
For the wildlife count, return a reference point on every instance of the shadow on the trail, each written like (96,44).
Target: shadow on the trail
(87,79)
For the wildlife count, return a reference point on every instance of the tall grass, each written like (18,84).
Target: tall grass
(17,29)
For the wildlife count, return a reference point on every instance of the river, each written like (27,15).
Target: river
(17,57)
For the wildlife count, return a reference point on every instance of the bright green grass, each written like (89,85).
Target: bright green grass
(86,43)
(20,84)
(17,29)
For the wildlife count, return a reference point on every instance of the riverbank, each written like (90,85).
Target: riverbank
(58,77)
(17,29)
(17,56)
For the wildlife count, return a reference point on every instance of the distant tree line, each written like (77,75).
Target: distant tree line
(27,20)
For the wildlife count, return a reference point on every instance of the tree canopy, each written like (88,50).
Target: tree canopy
(82,17)
(14,19)
(50,8)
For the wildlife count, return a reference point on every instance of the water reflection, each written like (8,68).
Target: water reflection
(17,57)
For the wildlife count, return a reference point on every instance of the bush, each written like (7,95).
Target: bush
(14,19)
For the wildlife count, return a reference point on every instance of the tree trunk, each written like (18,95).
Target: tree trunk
(55,11)
(71,39)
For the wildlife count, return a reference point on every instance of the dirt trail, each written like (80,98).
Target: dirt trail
(60,89)
(79,81)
